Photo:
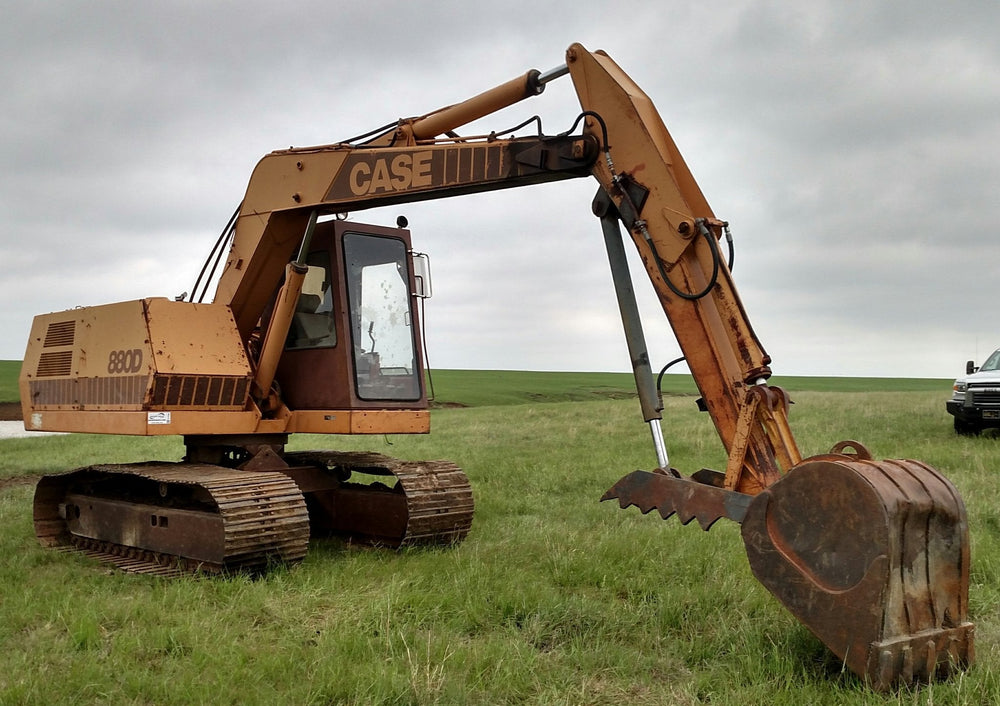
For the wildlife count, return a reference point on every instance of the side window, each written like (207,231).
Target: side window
(993,362)
(312,325)
(381,321)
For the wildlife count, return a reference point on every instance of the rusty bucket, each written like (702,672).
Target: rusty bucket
(872,557)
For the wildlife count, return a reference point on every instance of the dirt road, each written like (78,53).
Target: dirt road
(11,426)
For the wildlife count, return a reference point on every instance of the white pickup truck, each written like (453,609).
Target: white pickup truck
(975,398)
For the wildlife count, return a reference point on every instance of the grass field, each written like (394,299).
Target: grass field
(554,598)
(9,370)
(475,388)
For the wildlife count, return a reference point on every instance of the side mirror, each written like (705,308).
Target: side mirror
(970,367)
(421,274)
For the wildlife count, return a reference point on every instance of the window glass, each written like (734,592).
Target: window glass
(993,362)
(312,324)
(381,321)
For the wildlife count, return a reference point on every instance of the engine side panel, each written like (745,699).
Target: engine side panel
(147,355)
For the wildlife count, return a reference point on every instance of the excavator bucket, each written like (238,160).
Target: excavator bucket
(872,557)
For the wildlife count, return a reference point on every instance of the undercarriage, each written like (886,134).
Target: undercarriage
(192,517)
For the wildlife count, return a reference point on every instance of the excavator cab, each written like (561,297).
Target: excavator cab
(353,341)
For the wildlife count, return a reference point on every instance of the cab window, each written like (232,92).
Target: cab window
(312,324)
(381,320)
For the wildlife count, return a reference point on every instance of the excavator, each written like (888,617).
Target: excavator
(314,327)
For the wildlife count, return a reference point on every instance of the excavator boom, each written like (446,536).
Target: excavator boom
(872,556)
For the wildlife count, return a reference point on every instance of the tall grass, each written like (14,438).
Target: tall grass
(554,598)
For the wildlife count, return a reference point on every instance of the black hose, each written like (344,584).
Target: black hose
(600,121)
(533,119)
(659,378)
(427,359)
(216,252)
(732,250)
(377,132)
(690,296)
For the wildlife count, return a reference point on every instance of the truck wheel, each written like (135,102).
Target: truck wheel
(966,428)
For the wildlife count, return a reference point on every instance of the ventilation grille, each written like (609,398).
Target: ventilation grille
(60,333)
(130,392)
(54,364)
(212,391)
(118,392)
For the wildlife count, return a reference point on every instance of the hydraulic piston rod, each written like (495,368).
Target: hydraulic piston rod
(645,384)
(281,318)
(506,94)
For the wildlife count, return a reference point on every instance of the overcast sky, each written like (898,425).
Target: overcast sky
(853,146)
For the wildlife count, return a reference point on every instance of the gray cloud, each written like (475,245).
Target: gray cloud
(852,146)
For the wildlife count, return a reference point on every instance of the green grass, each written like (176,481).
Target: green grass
(554,598)
(9,370)
(473,388)
(502,387)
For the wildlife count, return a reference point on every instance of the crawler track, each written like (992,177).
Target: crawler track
(167,519)
(432,502)
(170,519)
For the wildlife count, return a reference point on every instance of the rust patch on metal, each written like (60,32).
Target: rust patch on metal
(687,498)
(873,558)
(430,503)
(742,347)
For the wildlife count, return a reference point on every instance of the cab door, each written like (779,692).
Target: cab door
(354,340)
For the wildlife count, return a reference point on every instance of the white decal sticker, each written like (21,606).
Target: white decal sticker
(158,417)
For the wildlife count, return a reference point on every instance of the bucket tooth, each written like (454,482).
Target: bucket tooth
(685,497)
(873,558)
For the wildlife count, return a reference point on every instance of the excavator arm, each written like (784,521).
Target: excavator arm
(871,556)
(677,234)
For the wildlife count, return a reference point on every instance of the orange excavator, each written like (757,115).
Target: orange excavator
(314,327)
